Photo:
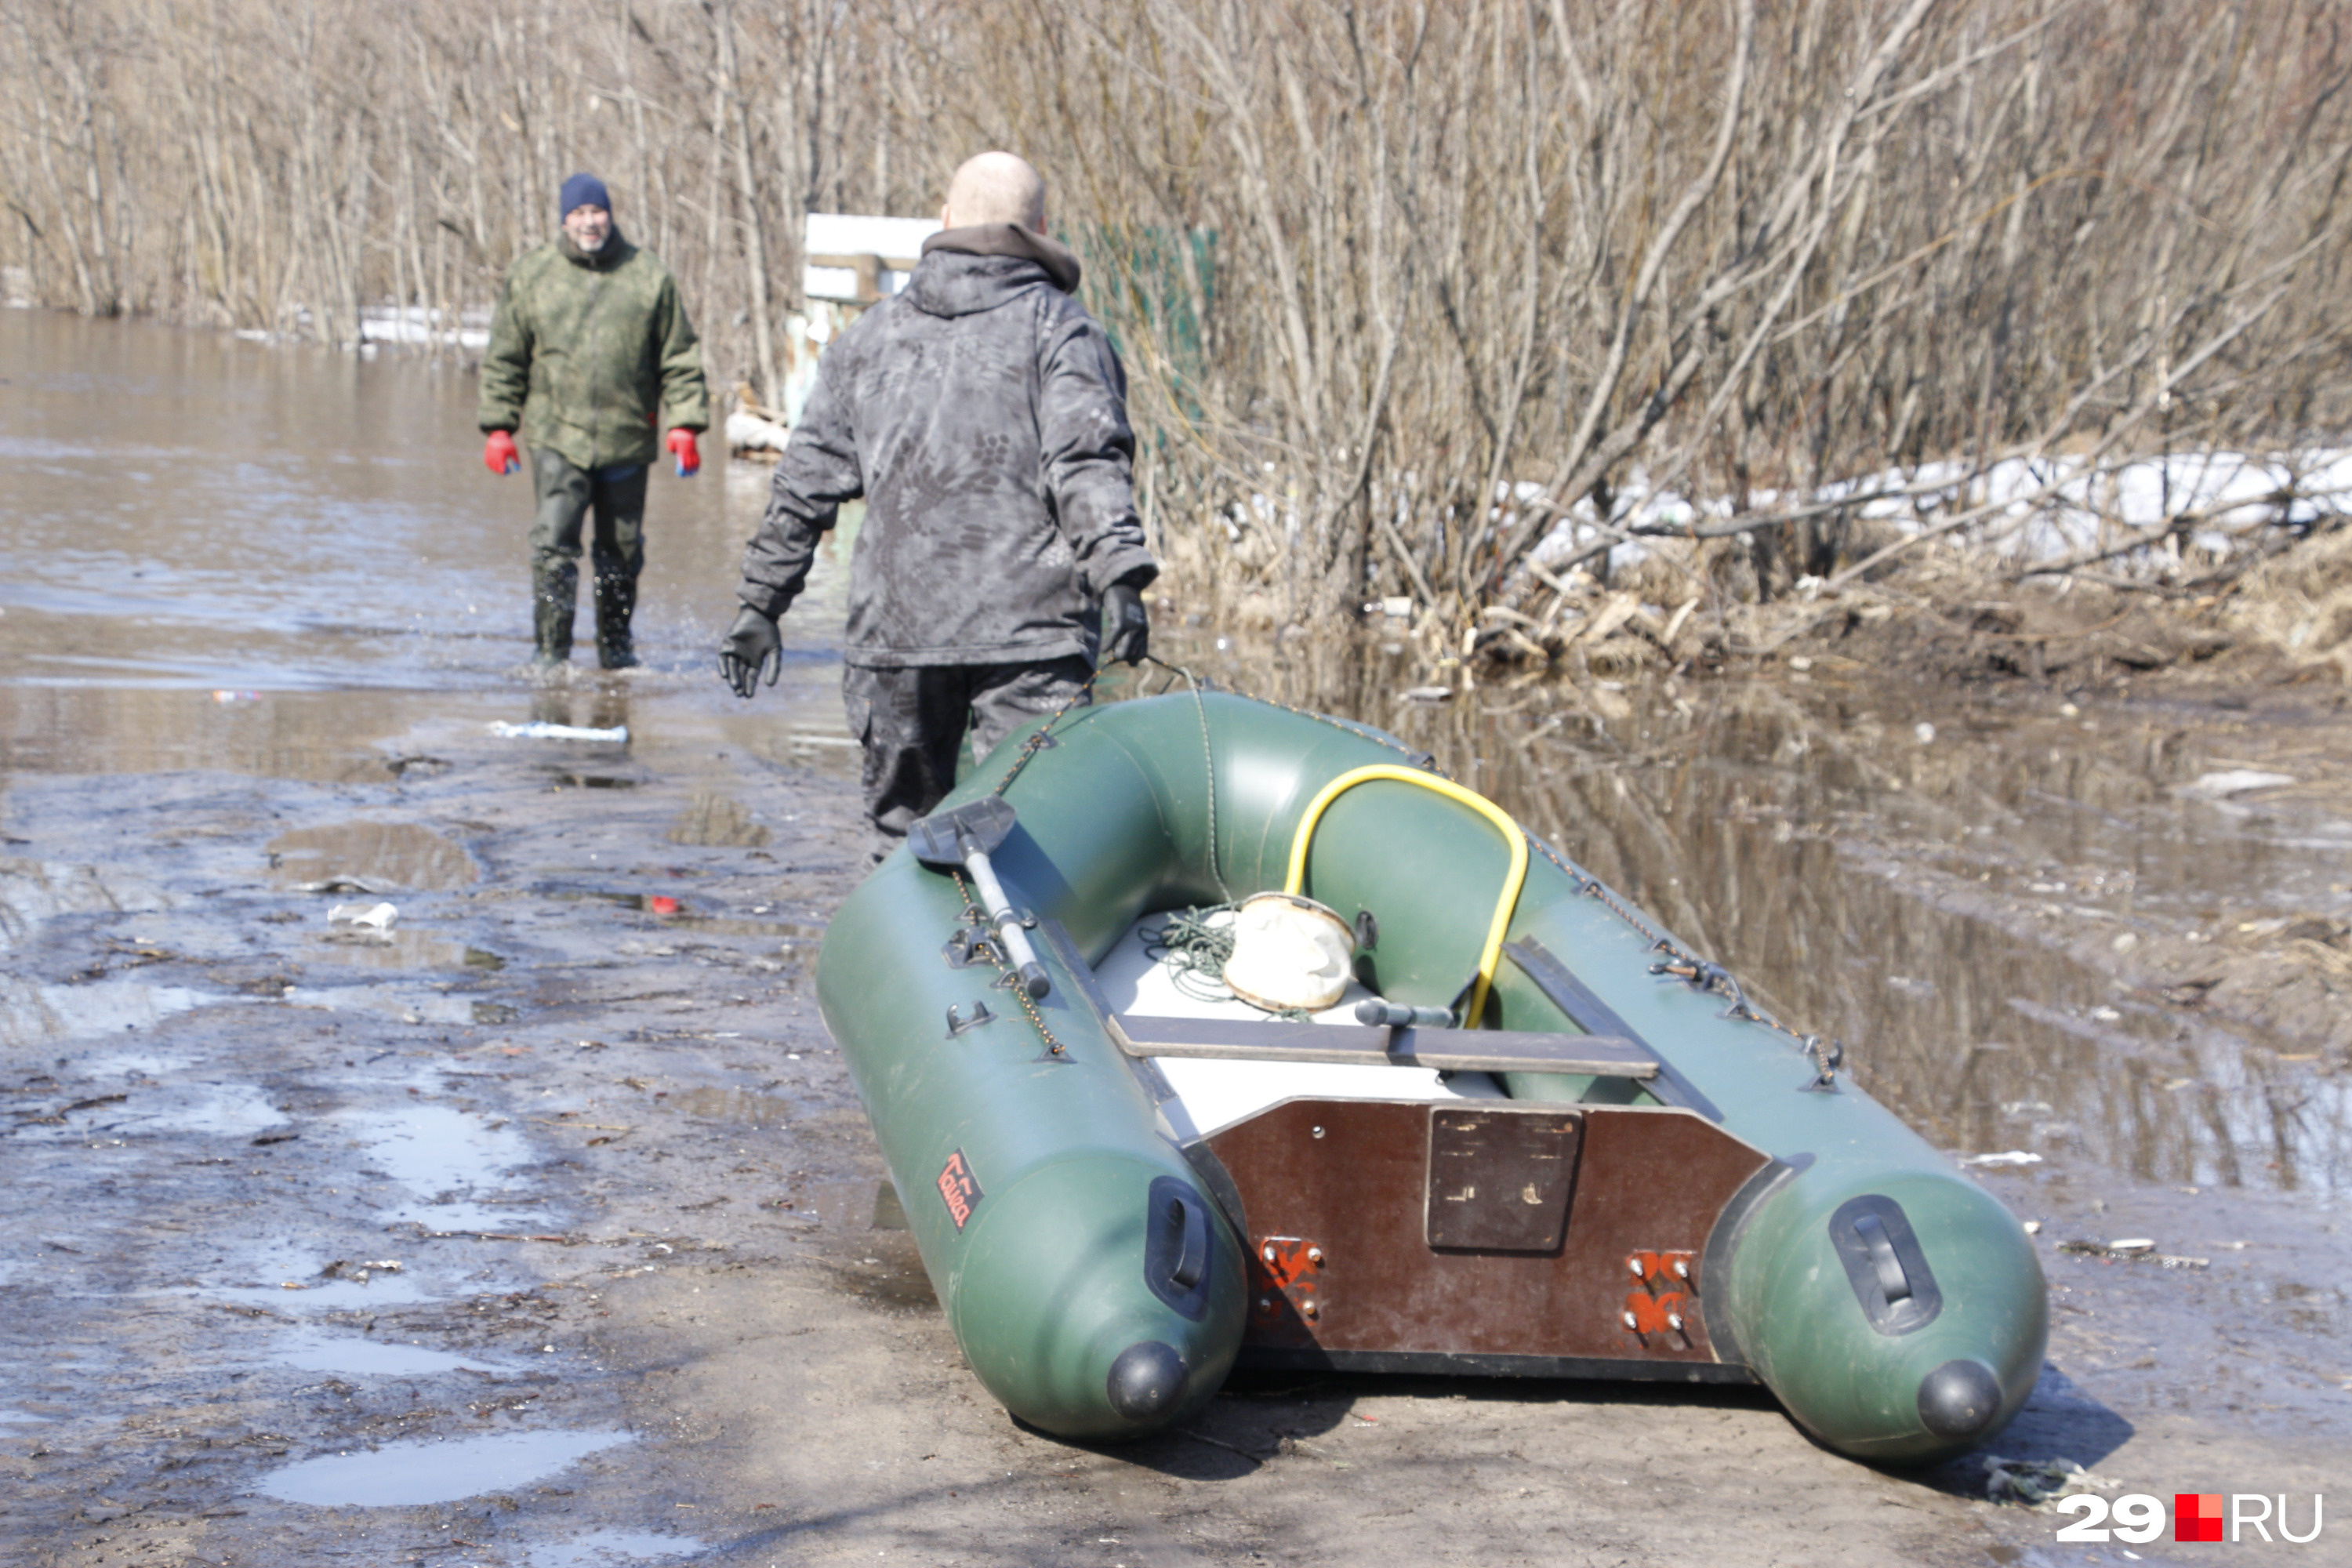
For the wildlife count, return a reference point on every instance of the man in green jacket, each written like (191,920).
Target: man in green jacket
(590,354)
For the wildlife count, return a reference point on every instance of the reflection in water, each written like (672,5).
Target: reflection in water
(1915,893)
(864,1227)
(216,555)
(404,1475)
(722,819)
(283,1284)
(440,1155)
(404,948)
(407,1005)
(219,1109)
(347,1354)
(375,856)
(34,1014)
(31,892)
(603,703)
(613,1549)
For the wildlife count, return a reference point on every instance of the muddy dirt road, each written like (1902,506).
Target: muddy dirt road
(542,1228)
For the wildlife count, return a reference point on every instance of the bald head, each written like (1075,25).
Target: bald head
(995,187)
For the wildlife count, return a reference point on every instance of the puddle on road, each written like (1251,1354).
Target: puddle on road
(384,856)
(407,1474)
(789,934)
(718,819)
(31,892)
(863,1230)
(134,1064)
(408,1006)
(611,1548)
(35,1015)
(218,1110)
(354,1355)
(404,948)
(449,1162)
(370,589)
(281,1284)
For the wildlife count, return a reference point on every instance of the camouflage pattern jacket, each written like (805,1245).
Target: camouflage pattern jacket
(983,415)
(592,356)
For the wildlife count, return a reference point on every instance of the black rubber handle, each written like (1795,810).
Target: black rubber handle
(1382,1014)
(1192,1254)
(1893,1282)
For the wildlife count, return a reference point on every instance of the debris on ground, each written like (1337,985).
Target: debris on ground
(618,736)
(2134,1250)
(2034,1482)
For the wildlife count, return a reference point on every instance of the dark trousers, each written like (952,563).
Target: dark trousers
(568,498)
(913,722)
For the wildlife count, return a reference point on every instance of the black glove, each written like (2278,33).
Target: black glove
(753,648)
(1126,624)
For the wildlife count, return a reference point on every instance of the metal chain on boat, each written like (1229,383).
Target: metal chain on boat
(1701,974)
(1043,738)
(1011,980)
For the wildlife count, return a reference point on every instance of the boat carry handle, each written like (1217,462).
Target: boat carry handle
(1294,881)
(1893,1283)
(1177,1245)
(1191,1221)
(1885,1264)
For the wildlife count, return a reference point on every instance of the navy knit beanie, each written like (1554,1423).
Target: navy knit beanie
(583,191)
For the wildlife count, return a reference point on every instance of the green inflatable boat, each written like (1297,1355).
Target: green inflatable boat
(1586,1155)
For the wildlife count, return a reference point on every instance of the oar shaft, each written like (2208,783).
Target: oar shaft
(1009,929)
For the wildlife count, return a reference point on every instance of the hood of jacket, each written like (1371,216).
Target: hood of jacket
(967,270)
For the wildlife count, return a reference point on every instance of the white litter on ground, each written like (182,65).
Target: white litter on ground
(2011,1157)
(618,736)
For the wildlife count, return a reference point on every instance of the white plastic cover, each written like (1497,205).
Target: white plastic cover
(1290,953)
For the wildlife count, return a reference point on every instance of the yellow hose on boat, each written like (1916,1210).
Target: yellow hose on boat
(1294,881)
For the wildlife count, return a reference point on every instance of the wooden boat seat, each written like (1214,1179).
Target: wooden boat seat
(1447,1050)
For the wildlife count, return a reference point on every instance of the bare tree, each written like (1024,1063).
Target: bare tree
(1444,301)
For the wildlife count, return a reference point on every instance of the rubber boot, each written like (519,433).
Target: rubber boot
(616,601)
(555,596)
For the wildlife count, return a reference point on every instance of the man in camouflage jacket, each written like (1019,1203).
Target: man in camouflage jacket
(590,354)
(981,413)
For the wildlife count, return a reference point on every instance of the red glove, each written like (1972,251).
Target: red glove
(681,447)
(498,454)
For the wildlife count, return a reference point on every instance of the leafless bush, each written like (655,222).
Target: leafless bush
(1403,287)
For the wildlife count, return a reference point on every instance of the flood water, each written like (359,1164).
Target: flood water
(217,555)
(220,555)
